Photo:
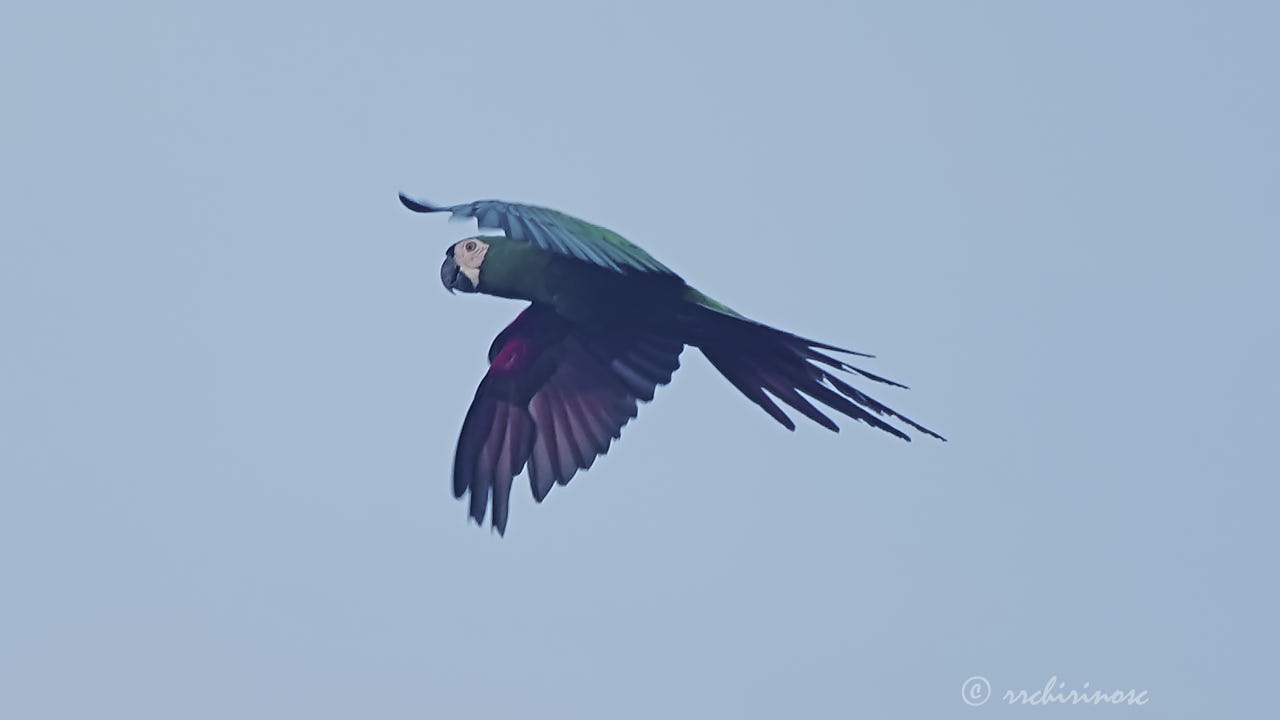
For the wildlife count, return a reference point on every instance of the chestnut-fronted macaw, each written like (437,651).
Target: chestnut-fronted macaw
(605,326)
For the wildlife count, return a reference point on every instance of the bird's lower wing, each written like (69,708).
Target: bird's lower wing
(554,399)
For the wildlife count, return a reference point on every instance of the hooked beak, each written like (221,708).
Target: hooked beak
(452,277)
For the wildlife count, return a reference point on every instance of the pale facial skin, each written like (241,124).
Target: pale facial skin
(469,255)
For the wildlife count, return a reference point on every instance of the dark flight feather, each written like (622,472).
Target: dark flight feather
(757,358)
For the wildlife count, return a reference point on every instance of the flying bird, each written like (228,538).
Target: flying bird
(605,326)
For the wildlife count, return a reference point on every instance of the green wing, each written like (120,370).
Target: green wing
(553,231)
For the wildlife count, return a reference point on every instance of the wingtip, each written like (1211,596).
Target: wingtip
(419,207)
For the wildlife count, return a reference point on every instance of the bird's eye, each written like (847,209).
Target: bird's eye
(470,246)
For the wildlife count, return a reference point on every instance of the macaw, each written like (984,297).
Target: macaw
(605,326)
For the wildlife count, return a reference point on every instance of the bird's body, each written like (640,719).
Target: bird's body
(576,290)
(605,326)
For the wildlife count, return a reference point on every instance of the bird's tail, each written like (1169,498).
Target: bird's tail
(757,358)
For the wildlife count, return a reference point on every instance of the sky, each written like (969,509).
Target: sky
(231,384)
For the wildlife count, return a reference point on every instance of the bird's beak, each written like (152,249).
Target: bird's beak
(452,277)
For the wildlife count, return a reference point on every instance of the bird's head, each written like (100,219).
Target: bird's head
(462,261)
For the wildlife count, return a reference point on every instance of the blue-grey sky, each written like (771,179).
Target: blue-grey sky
(230,382)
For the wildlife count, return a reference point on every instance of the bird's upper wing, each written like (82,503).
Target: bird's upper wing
(553,231)
(555,397)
